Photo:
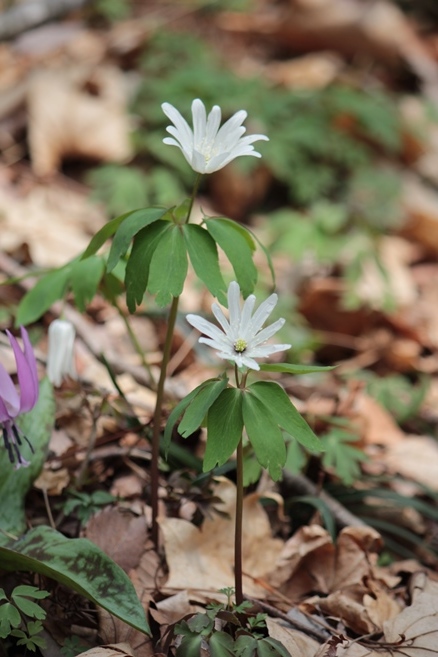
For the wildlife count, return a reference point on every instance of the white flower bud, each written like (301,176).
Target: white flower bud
(60,358)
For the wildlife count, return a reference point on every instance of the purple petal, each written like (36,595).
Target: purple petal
(26,371)
(9,398)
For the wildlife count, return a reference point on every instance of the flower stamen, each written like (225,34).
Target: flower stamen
(240,346)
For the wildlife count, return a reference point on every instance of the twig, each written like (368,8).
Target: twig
(28,15)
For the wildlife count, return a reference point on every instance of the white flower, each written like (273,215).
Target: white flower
(208,148)
(241,339)
(60,362)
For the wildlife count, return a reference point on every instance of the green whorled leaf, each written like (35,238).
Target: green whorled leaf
(245,646)
(168,269)
(286,415)
(177,412)
(80,565)
(221,645)
(28,607)
(37,425)
(190,646)
(203,255)
(224,428)
(47,290)
(294,368)
(137,268)
(103,235)
(85,276)
(198,408)
(131,224)
(266,438)
(228,235)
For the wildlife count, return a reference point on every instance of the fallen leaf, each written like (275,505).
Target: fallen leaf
(112,650)
(202,559)
(296,643)
(121,535)
(415,457)
(65,120)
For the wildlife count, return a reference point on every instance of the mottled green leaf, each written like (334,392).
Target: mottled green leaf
(37,425)
(168,268)
(224,428)
(80,565)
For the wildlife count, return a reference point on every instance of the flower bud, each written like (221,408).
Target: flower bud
(60,360)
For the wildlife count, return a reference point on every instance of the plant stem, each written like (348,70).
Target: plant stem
(155,473)
(239,525)
(157,418)
(238,528)
(135,343)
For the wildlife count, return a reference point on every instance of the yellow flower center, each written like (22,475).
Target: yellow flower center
(240,345)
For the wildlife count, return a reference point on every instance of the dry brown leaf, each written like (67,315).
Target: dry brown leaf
(376,424)
(295,642)
(202,559)
(113,630)
(66,121)
(415,457)
(121,535)
(55,221)
(313,71)
(53,481)
(412,633)
(379,604)
(309,545)
(347,606)
(421,206)
(171,610)
(356,554)
(112,650)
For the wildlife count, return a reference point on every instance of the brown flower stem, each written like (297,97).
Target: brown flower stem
(157,418)
(238,528)
(239,525)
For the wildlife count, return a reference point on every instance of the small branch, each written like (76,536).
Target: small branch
(28,15)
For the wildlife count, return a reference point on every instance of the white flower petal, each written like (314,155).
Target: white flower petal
(223,321)
(199,117)
(185,132)
(267,332)
(234,307)
(204,326)
(213,123)
(262,313)
(207,147)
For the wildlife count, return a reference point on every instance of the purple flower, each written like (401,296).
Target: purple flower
(12,402)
